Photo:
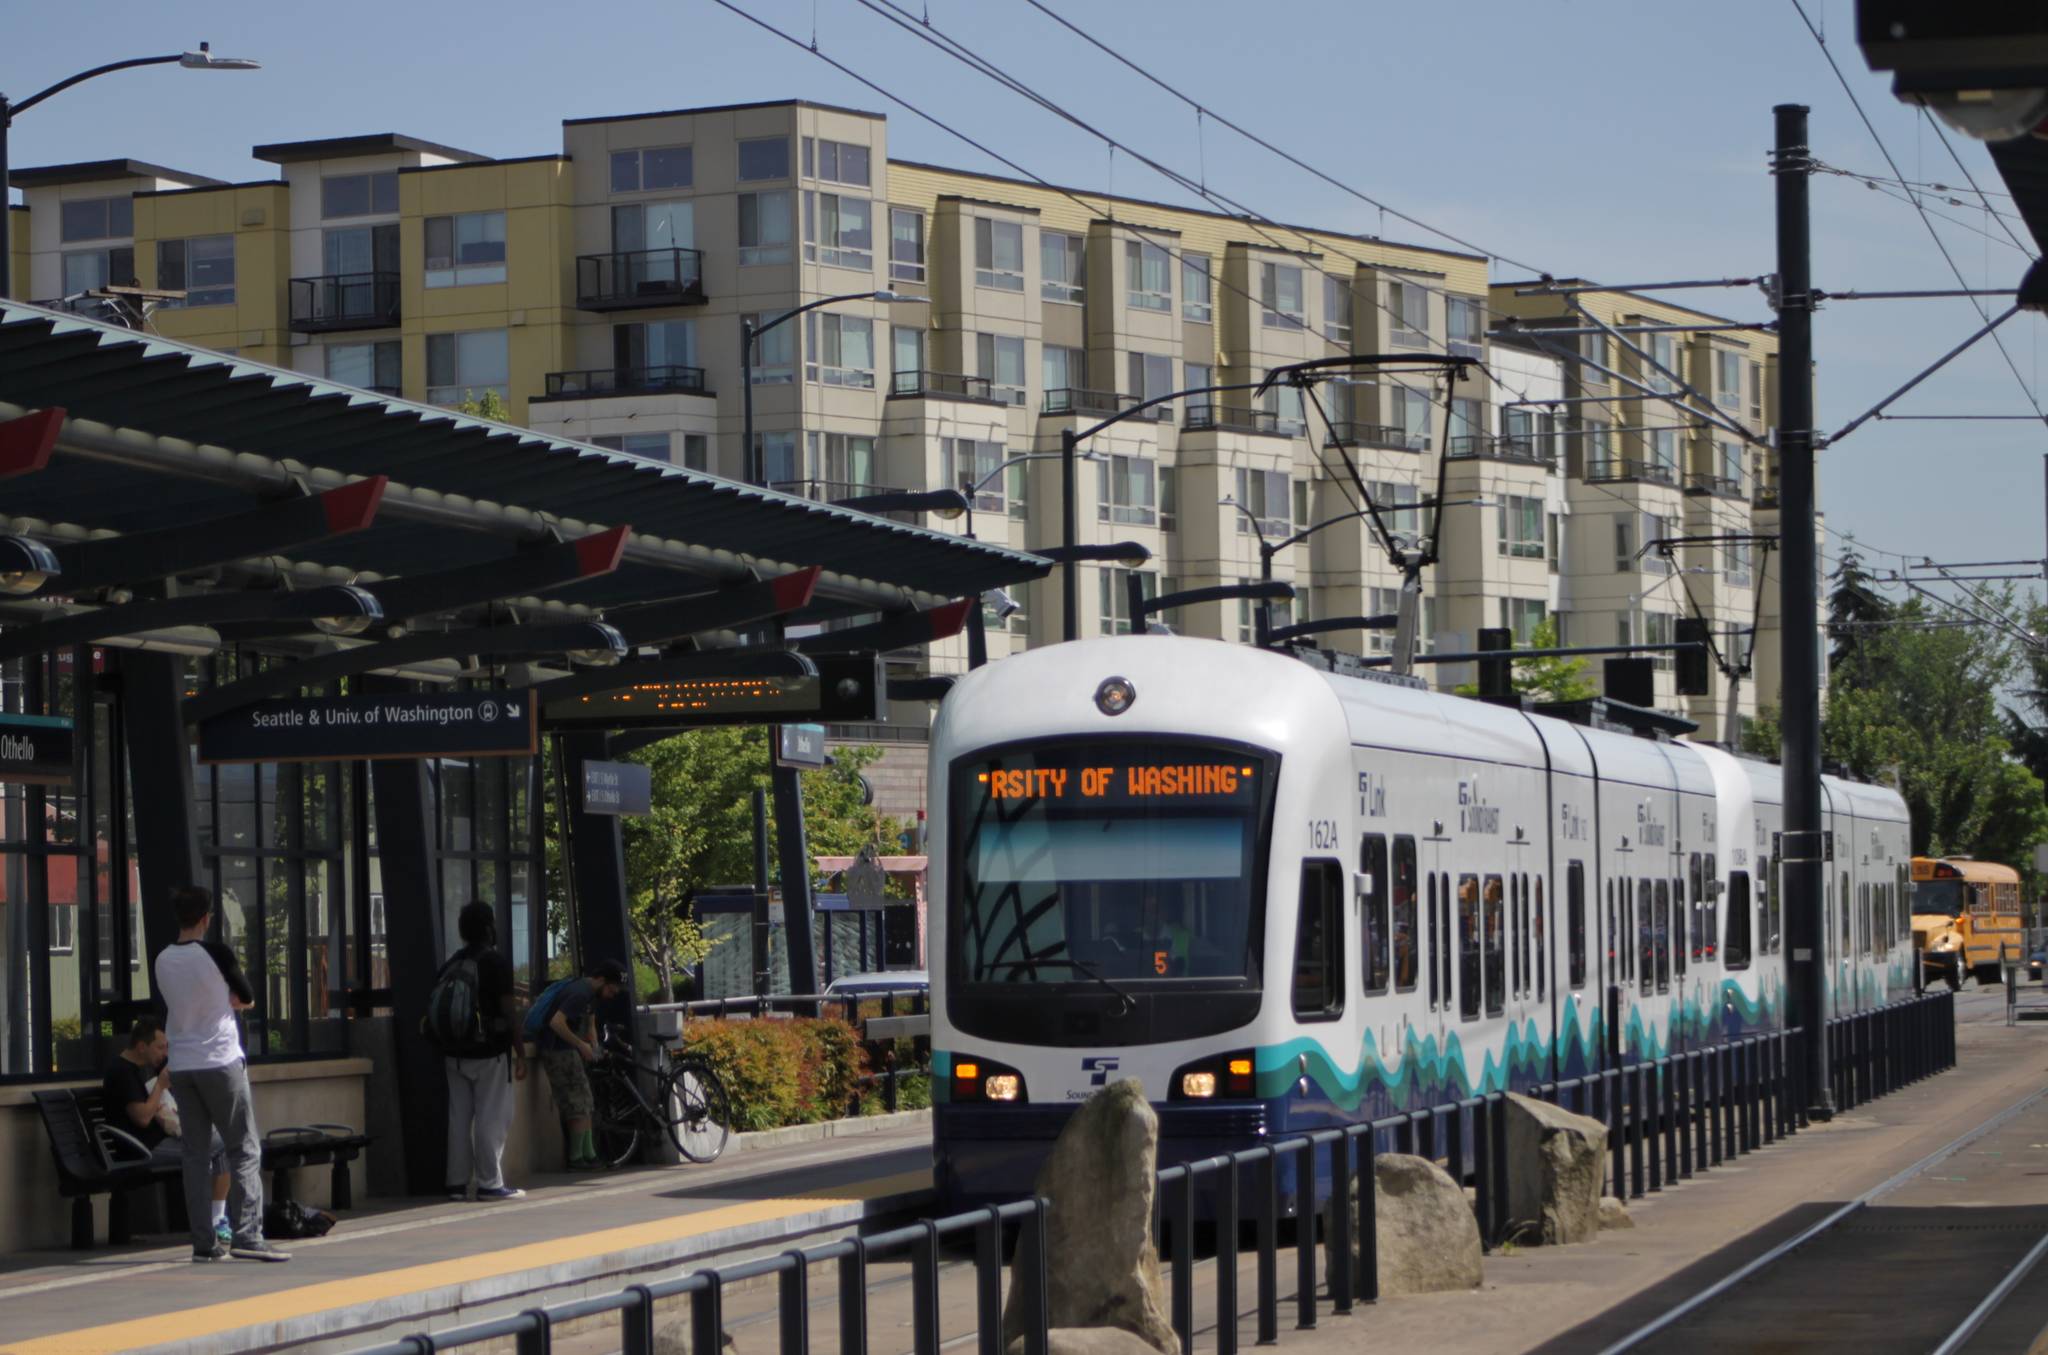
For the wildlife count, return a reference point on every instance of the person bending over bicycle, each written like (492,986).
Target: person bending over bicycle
(568,1040)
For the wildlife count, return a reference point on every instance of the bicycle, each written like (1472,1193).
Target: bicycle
(688,1104)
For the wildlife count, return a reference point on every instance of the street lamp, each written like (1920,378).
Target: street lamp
(1129,554)
(749,332)
(201,60)
(943,503)
(1017,460)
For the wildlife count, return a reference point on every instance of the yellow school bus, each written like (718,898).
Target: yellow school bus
(1963,910)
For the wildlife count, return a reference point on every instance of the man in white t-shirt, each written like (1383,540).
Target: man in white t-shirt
(202,986)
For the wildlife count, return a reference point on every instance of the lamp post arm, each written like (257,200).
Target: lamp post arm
(767,325)
(22,106)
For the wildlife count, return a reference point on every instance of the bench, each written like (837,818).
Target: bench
(97,1157)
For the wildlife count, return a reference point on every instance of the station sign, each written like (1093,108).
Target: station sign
(372,728)
(617,788)
(35,750)
(801,746)
(846,688)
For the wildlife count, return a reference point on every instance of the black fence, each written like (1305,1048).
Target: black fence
(1667,1120)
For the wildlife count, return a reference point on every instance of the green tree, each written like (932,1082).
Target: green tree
(1855,610)
(1545,679)
(490,405)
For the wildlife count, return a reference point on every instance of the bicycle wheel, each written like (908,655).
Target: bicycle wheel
(699,1121)
(616,1117)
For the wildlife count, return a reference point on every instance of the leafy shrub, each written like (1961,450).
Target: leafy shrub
(779,1072)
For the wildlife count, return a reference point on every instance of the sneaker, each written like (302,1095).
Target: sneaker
(257,1251)
(217,1252)
(224,1233)
(500,1193)
(458,1193)
(582,1164)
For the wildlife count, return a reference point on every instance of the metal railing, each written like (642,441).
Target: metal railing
(922,384)
(1667,1119)
(337,301)
(627,381)
(1222,418)
(1074,400)
(1610,470)
(640,277)
(1499,447)
(1720,486)
(1349,433)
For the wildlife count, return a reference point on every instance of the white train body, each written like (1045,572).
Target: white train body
(1283,899)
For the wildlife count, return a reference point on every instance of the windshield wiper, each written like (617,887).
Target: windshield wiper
(1125,1003)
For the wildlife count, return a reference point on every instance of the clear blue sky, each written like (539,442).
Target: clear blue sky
(1614,139)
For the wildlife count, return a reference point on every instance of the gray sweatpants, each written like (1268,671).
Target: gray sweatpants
(216,1101)
(479,1118)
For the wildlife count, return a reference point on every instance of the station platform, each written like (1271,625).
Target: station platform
(406,1265)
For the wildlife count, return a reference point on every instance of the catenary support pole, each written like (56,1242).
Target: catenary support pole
(1799,606)
(1070,585)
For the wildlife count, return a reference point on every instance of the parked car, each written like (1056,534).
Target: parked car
(2037,964)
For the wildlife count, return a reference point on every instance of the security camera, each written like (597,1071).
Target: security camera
(1002,602)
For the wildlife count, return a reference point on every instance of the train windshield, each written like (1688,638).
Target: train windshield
(1947,897)
(1114,864)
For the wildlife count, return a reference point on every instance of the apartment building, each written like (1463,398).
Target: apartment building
(600,292)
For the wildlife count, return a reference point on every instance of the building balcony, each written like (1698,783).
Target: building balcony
(341,301)
(1221,419)
(1349,433)
(1614,470)
(922,385)
(1499,447)
(602,381)
(639,279)
(1073,400)
(1720,486)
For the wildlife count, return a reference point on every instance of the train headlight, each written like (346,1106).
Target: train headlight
(1214,1078)
(1198,1086)
(1115,696)
(982,1080)
(1002,1086)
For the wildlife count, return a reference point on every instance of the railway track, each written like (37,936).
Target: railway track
(1873,1277)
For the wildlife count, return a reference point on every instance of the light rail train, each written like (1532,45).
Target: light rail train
(1284,899)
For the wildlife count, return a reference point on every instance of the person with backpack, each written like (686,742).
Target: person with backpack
(563,1022)
(473,1019)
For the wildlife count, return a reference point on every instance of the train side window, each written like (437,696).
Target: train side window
(1767,871)
(1407,937)
(1319,942)
(1575,922)
(1613,946)
(1496,946)
(1712,883)
(1515,931)
(1905,909)
(1372,864)
(1436,940)
(1735,950)
(1525,930)
(1646,935)
(1696,895)
(1468,947)
(1678,940)
(1848,943)
(1662,935)
(1539,929)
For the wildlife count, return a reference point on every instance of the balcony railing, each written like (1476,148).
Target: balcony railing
(1220,418)
(1611,470)
(639,278)
(944,385)
(1073,400)
(1499,447)
(338,301)
(1720,486)
(1347,433)
(626,381)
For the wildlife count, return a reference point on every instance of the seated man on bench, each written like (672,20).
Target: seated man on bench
(151,1116)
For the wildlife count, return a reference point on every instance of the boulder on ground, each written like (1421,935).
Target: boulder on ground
(1101,1267)
(1426,1235)
(1614,1214)
(674,1339)
(1555,1171)
(1088,1341)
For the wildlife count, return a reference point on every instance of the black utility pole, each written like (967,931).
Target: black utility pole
(1802,857)
(1070,584)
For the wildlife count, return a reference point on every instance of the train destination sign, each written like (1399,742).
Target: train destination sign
(369,728)
(35,750)
(1110,776)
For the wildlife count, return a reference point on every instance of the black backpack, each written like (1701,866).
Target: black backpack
(454,1023)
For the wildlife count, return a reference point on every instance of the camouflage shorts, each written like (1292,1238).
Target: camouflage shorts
(569,1082)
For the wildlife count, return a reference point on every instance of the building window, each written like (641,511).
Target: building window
(1396,504)
(1556,553)
(203,268)
(970,465)
(1280,296)
(1465,323)
(1521,527)
(1126,491)
(1594,355)
(1337,310)
(837,162)
(1169,499)
(1409,307)
(906,356)
(655,349)
(368,366)
(1409,411)
(774,353)
(1741,562)
(1658,630)
(1150,280)
(1148,375)
(1289,413)
(1301,493)
(463,366)
(1115,590)
(87,270)
(1381,602)
(1001,360)
(345,195)
(765,232)
(1196,303)
(841,350)
(998,254)
(1194,376)
(360,249)
(844,462)
(1664,354)
(1263,494)
(1664,454)
(1062,266)
(1521,616)
(653,446)
(1063,368)
(1729,455)
(839,230)
(776,459)
(465,250)
(1727,378)
(764,158)
(906,244)
(1756,392)
(653,168)
(96,219)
